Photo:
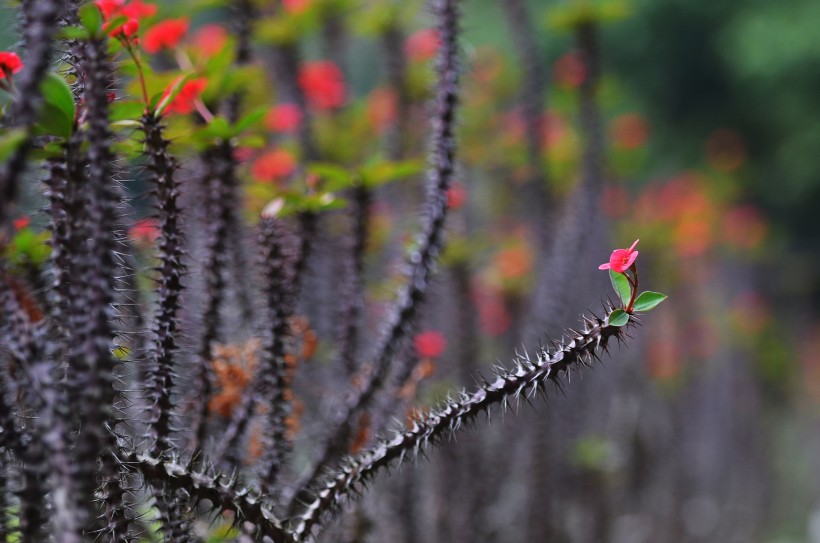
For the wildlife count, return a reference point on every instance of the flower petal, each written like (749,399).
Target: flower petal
(604,266)
(632,257)
(634,244)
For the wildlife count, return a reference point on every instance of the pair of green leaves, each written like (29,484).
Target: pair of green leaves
(645,301)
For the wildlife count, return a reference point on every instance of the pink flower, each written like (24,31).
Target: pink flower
(621,259)
(165,35)
(209,40)
(296,6)
(21,223)
(185,100)
(273,166)
(323,84)
(144,232)
(422,45)
(430,344)
(456,195)
(283,118)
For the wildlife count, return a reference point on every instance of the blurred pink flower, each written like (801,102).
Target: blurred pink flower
(209,40)
(323,84)
(283,118)
(422,45)
(430,344)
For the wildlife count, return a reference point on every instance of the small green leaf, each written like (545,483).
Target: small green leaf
(73,33)
(621,286)
(91,18)
(10,140)
(619,317)
(57,93)
(648,300)
(249,120)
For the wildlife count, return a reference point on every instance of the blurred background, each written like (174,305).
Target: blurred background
(703,428)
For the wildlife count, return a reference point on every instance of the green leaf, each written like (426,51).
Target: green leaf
(10,140)
(91,18)
(53,122)
(619,317)
(648,300)
(126,111)
(249,120)
(334,178)
(621,286)
(57,94)
(73,33)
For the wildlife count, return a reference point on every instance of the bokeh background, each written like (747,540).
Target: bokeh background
(706,426)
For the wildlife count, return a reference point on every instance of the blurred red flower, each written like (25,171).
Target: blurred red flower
(323,84)
(514,262)
(283,118)
(128,29)
(144,231)
(209,40)
(382,108)
(109,8)
(296,6)
(621,259)
(138,10)
(569,70)
(430,344)
(185,101)
(456,195)
(10,63)
(21,223)
(273,166)
(165,35)
(422,45)
(629,131)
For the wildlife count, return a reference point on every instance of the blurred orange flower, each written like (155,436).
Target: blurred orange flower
(323,84)
(422,45)
(165,35)
(273,166)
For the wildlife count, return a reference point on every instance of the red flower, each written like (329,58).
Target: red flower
(10,63)
(138,10)
(127,29)
(629,131)
(209,40)
(382,108)
(422,45)
(570,70)
(165,35)
(296,6)
(323,84)
(283,118)
(185,101)
(21,223)
(273,166)
(621,259)
(456,195)
(430,344)
(109,8)
(144,232)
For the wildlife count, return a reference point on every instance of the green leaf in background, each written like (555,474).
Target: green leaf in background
(91,18)
(619,317)
(10,140)
(648,300)
(621,286)
(57,115)
(334,178)
(73,33)
(250,119)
